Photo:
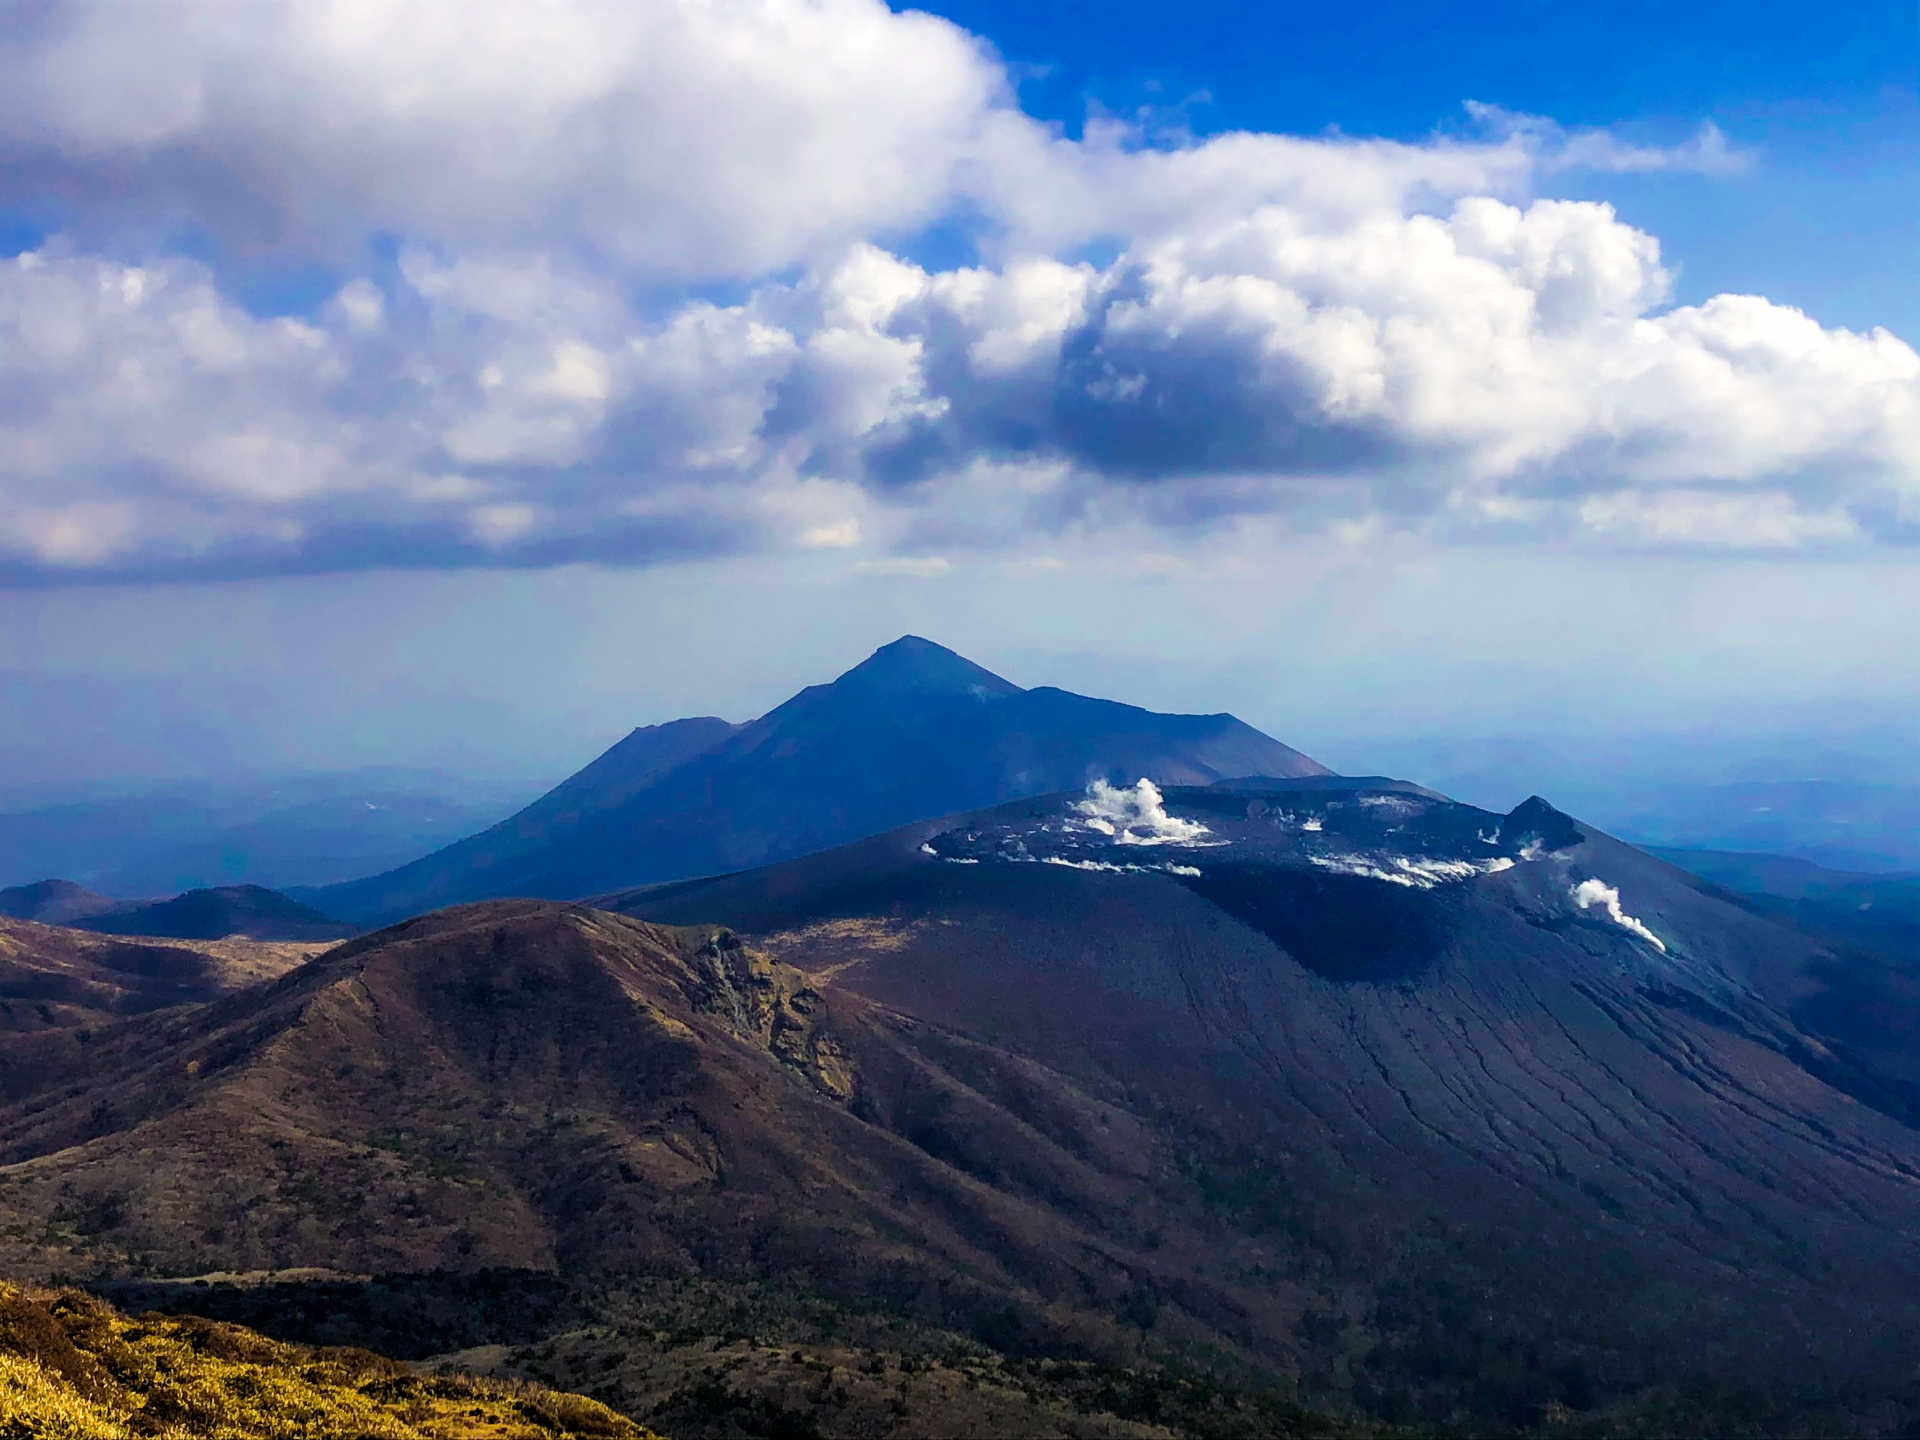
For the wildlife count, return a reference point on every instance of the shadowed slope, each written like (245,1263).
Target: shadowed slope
(1633,1122)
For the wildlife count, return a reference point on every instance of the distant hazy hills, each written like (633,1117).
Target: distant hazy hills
(247,910)
(913,732)
(129,840)
(54,902)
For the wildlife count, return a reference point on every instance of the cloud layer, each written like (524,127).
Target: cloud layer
(645,295)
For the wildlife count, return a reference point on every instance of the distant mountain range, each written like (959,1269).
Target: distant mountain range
(913,732)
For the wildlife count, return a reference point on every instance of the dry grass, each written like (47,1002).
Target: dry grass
(237,960)
(242,961)
(53,978)
(72,1368)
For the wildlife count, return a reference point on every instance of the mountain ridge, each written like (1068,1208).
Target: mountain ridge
(54,902)
(913,731)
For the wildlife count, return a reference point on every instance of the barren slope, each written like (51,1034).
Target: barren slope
(1404,1002)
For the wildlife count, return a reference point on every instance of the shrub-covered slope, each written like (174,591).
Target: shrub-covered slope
(72,1368)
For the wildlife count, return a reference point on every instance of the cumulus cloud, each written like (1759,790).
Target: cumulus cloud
(1334,332)
(1589,893)
(683,138)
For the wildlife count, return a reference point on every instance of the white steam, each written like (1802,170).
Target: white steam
(1109,868)
(1589,893)
(1417,873)
(1136,816)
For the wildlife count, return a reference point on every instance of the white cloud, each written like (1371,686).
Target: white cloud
(1768,520)
(835,535)
(1357,337)
(684,138)
(497,525)
(919,567)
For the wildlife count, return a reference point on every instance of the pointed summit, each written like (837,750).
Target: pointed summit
(911,665)
(911,732)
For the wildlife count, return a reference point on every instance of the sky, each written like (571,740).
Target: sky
(460,386)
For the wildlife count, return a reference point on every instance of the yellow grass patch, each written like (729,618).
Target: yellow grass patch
(72,1368)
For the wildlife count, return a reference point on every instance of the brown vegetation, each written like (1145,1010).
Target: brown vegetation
(52,977)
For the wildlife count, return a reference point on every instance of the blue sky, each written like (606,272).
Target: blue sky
(1827,219)
(452,385)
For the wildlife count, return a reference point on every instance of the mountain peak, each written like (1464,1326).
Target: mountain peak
(911,665)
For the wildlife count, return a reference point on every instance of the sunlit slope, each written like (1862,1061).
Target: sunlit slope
(73,1369)
(532,1085)
(51,977)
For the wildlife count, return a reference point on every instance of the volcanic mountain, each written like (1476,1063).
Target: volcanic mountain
(914,731)
(1330,1087)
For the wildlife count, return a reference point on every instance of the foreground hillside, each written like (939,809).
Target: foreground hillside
(51,976)
(912,732)
(1116,1113)
(73,1369)
(551,1090)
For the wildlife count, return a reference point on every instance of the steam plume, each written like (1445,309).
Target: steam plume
(1137,816)
(1589,893)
